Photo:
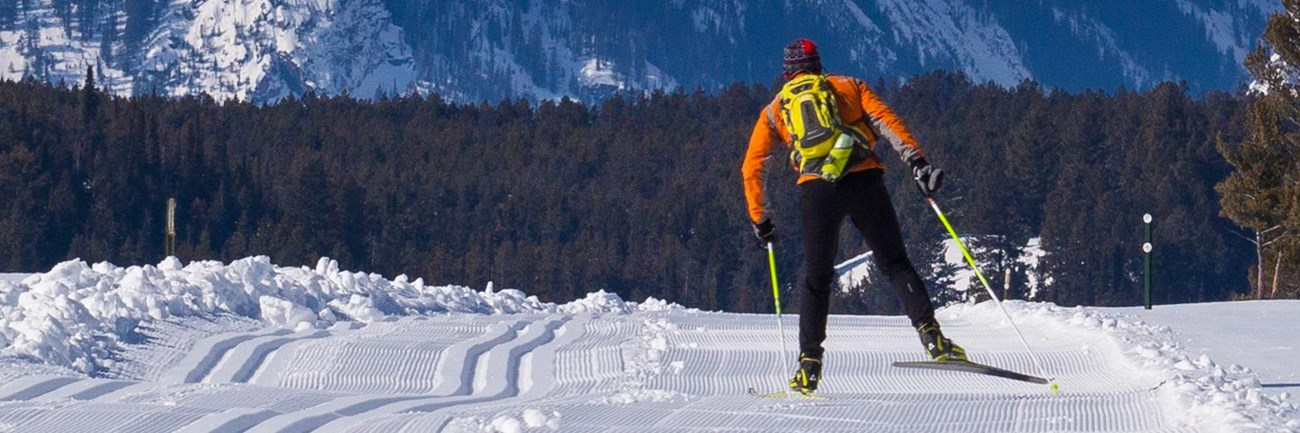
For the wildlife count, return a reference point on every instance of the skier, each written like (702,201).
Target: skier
(833,186)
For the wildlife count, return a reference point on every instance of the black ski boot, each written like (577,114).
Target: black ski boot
(810,372)
(939,348)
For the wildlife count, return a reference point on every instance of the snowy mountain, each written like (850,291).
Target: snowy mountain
(250,346)
(264,50)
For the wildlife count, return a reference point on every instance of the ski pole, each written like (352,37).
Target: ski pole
(776,296)
(971,261)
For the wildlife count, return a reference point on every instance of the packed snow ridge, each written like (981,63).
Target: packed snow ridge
(77,314)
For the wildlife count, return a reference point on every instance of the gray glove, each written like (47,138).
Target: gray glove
(927,177)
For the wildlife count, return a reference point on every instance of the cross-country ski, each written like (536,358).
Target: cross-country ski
(971,367)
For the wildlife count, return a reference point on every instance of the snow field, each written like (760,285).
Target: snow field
(1256,334)
(227,348)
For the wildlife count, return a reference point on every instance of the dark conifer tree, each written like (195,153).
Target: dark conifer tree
(1262,193)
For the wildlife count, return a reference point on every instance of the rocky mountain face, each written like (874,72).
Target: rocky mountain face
(471,50)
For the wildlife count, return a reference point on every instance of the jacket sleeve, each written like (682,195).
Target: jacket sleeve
(887,126)
(754,169)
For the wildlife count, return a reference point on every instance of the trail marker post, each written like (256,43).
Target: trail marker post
(1146,252)
(171,227)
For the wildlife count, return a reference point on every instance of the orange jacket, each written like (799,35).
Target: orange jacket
(857,105)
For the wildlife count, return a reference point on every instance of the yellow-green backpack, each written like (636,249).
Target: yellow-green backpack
(821,144)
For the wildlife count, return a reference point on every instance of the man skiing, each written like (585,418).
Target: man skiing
(832,123)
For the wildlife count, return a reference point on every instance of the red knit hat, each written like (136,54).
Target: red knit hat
(801,56)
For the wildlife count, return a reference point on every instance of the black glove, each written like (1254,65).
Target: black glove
(927,177)
(765,231)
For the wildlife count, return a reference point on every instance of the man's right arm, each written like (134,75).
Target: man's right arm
(754,169)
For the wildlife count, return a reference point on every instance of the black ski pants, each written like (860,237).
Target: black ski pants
(862,197)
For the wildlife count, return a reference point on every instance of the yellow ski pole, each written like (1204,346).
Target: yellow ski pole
(971,261)
(776,296)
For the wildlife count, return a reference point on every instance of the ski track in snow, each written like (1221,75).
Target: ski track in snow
(676,370)
(603,365)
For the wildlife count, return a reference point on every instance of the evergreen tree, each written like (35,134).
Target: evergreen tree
(1261,192)
(90,96)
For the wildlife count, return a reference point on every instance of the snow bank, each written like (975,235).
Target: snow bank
(76,315)
(1216,397)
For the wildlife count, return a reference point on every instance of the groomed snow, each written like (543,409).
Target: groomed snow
(251,346)
(76,314)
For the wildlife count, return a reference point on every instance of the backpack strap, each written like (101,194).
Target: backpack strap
(857,132)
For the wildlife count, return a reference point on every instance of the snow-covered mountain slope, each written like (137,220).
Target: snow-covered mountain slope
(452,359)
(267,49)
(952,277)
(263,50)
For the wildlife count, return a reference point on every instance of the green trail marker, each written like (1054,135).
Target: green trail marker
(1146,267)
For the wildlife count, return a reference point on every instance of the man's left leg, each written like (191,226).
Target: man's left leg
(873,214)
